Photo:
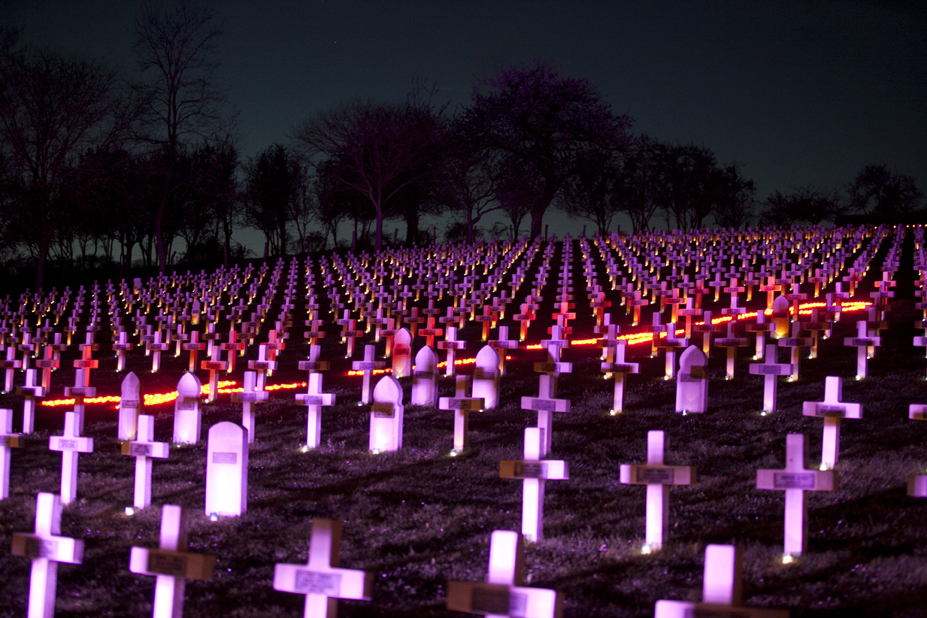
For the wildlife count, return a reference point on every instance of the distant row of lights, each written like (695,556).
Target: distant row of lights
(230,386)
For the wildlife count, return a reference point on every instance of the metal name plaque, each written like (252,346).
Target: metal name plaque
(128,404)
(695,612)
(832,410)
(794,480)
(530,470)
(313,582)
(313,400)
(362,366)
(41,548)
(67,444)
(544,405)
(655,475)
(769,370)
(183,404)
(686,378)
(617,368)
(224,458)
(382,409)
(497,601)
(426,375)
(166,564)
(140,450)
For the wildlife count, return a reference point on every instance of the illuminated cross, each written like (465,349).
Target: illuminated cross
(71,444)
(232,346)
(367,366)
(615,365)
(795,479)
(770,369)
(251,394)
(862,342)
(658,477)
(451,345)
(462,405)
(46,549)
(122,346)
(8,440)
(171,563)
(722,591)
(144,448)
(504,593)
(832,409)
(214,365)
(533,471)
(320,579)
(10,365)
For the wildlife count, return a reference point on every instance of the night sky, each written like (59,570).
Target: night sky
(796,92)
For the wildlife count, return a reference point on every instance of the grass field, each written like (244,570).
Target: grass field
(419,518)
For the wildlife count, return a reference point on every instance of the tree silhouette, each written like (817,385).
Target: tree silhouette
(542,124)
(53,107)
(381,149)
(876,190)
(176,47)
(272,184)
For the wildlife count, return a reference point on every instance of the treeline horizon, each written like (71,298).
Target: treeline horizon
(95,165)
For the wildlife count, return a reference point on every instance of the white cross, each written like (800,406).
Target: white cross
(451,345)
(533,472)
(832,409)
(171,563)
(658,478)
(722,591)
(30,392)
(71,444)
(795,479)
(770,369)
(8,440)
(368,365)
(314,399)
(504,593)
(11,364)
(461,404)
(320,579)
(545,405)
(862,343)
(615,365)
(250,395)
(143,448)
(46,549)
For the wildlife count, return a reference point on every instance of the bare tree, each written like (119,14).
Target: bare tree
(381,149)
(540,123)
(877,190)
(175,44)
(53,107)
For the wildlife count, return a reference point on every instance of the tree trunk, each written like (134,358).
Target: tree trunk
(378,239)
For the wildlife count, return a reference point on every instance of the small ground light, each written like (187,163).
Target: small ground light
(613,412)
(823,466)
(787,559)
(213,517)
(646,549)
(304,448)
(130,511)
(375,451)
(763,413)
(453,453)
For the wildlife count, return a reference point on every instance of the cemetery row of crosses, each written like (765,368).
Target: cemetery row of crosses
(392,326)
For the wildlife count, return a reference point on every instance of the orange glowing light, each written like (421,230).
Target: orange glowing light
(153,399)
